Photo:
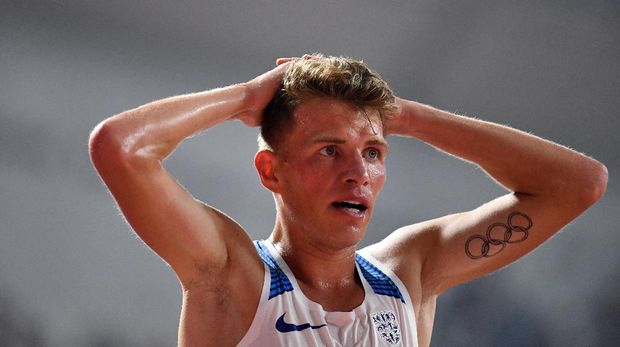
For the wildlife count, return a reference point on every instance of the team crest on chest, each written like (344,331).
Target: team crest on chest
(387,327)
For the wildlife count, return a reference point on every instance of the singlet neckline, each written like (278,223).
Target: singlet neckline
(310,304)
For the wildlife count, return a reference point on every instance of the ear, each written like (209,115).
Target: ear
(265,162)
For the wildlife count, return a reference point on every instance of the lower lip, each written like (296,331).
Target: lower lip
(351,212)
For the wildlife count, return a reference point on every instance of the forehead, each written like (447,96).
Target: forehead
(327,116)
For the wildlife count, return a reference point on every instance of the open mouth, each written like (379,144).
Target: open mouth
(350,206)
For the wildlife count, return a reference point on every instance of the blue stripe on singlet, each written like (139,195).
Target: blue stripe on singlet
(381,283)
(279,282)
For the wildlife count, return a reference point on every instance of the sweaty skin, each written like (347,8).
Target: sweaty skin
(334,160)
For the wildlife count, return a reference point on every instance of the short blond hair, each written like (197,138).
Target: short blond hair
(342,78)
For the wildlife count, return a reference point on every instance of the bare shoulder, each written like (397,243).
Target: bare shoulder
(243,264)
(405,252)
(405,249)
(219,304)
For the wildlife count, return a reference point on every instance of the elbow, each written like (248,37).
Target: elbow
(595,186)
(599,183)
(105,145)
(99,142)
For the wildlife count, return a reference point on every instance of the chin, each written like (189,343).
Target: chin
(346,237)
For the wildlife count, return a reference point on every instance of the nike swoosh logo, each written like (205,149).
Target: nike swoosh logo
(285,327)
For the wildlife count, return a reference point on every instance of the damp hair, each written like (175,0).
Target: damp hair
(321,76)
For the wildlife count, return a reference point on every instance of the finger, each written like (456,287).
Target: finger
(281,61)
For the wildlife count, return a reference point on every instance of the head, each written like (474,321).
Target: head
(323,150)
(345,79)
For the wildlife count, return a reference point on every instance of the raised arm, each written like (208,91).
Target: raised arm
(128,149)
(549,186)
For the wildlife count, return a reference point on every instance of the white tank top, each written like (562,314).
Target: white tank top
(286,317)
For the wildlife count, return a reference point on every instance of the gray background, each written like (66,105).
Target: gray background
(73,274)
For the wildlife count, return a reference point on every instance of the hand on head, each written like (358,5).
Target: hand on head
(281,61)
(263,88)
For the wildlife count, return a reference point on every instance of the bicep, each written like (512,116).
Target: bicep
(458,248)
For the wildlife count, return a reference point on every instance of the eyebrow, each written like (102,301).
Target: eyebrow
(378,142)
(338,140)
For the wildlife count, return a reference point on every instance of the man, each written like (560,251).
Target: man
(322,154)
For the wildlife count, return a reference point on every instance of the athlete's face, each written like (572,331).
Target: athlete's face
(331,170)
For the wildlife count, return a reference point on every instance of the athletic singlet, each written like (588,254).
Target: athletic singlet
(286,317)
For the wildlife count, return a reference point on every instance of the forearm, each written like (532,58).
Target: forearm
(521,162)
(152,131)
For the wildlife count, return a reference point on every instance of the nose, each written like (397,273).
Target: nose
(356,171)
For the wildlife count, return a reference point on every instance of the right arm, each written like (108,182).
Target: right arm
(128,149)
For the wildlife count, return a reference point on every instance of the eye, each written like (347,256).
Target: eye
(329,151)
(373,153)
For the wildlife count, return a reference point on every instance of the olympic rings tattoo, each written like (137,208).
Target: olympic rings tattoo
(510,230)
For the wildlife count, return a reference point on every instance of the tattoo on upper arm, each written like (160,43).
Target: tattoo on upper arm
(515,230)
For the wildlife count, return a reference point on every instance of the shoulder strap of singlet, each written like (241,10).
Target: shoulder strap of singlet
(279,282)
(381,283)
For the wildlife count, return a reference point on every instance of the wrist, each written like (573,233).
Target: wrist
(247,107)
(402,122)
(246,93)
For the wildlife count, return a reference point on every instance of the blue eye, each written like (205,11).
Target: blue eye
(329,151)
(373,153)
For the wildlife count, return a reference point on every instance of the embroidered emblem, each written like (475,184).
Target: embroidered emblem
(386,324)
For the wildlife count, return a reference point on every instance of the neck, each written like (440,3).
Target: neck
(316,263)
(324,268)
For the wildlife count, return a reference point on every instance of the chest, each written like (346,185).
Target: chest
(293,320)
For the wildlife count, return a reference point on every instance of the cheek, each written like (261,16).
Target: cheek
(376,173)
(308,175)
(317,168)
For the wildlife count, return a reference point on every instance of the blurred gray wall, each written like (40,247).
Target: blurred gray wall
(73,274)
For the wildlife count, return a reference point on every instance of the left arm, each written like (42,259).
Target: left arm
(549,186)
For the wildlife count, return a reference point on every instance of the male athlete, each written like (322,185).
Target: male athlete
(324,123)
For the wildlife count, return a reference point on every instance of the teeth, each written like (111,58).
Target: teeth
(351,205)
(353,210)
